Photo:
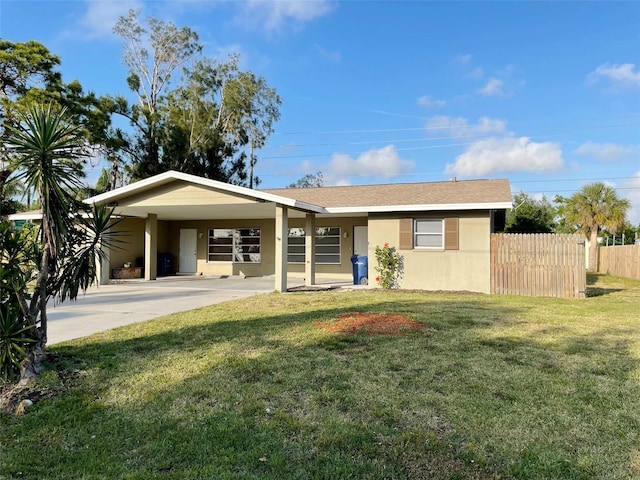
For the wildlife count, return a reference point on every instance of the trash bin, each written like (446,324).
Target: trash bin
(165,264)
(360,269)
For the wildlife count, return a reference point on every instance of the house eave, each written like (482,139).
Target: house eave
(421,207)
(25,216)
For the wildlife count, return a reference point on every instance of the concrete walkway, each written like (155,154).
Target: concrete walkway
(115,305)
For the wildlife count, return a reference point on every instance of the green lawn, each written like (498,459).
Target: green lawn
(492,387)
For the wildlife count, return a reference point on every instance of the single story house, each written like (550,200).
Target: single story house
(442,229)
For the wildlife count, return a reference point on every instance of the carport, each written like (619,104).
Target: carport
(180,210)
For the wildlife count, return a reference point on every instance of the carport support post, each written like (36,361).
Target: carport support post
(151,247)
(103,265)
(282,233)
(309,250)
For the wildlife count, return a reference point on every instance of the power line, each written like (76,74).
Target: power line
(549,134)
(409,129)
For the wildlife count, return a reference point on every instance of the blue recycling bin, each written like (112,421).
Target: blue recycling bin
(360,269)
(165,264)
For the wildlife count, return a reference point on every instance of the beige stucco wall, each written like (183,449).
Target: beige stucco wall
(132,245)
(465,269)
(131,241)
(344,270)
(267,248)
(183,194)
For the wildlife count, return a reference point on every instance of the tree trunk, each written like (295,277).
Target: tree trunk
(593,250)
(31,366)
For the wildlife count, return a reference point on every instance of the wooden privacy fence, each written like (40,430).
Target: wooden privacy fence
(549,265)
(620,260)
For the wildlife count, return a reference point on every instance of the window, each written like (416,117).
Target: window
(295,245)
(428,233)
(239,245)
(327,245)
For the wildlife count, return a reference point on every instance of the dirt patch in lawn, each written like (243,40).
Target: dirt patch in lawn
(371,324)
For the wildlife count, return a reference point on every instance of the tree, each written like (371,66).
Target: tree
(47,156)
(149,76)
(23,67)
(200,124)
(595,206)
(216,112)
(626,233)
(530,215)
(29,75)
(309,180)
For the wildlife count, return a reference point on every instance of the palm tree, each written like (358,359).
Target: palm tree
(594,207)
(48,154)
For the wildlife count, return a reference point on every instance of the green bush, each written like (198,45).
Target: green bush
(389,266)
(14,337)
(16,273)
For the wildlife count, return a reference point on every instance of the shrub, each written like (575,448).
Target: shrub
(389,266)
(14,337)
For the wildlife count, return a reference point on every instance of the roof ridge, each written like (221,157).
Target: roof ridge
(393,184)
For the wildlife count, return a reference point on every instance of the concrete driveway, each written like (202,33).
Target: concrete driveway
(131,301)
(114,305)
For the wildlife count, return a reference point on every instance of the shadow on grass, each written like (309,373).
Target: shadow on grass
(596,287)
(460,399)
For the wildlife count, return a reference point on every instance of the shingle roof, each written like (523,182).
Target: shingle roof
(432,193)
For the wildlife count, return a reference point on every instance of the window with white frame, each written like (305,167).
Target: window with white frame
(238,245)
(328,246)
(428,233)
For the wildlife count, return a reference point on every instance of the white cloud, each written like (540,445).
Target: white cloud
(460,127)
(607,152)
(476,74)
(270,16)
(334,56)
(507,155)
(376,162)
(427,101)
(619,76)
(464,59)
(632,193)
(102,15)
(494,87)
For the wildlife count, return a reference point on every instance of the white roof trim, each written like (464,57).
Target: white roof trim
(422,207)
(171,175)
(25,216)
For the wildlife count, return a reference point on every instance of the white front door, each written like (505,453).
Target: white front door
(360,240)
(188,250)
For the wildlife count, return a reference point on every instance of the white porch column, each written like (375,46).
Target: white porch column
(103,268)
(282,232)
(151,247)
(309,250)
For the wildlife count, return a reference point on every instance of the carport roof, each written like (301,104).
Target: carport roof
(171,176)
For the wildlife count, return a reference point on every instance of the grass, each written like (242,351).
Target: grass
(492,387)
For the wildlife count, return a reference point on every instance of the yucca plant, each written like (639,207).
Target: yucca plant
(15,337)
(48,153)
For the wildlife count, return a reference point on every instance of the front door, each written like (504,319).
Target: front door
(360,240)
(188,250)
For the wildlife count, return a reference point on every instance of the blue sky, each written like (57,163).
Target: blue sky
(545,94)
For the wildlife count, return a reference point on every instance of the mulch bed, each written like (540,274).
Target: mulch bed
(371,324)
(312,288)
